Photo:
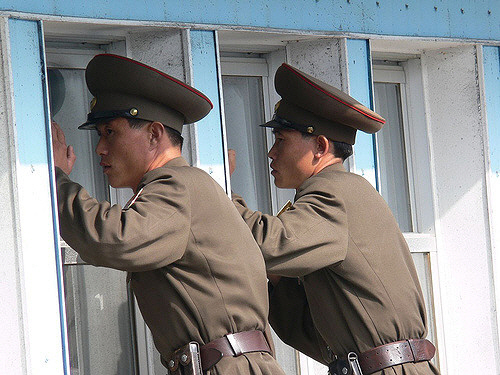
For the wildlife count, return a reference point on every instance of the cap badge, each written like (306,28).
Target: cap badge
(93,102)
(310,129)
(133,111)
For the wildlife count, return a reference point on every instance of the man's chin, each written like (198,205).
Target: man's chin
(115,184)
(278,183)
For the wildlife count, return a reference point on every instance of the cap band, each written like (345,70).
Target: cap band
(96,116)
(288,124)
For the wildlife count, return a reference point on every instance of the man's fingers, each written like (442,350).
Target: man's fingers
(231,154)
(61,135)
(53,126)
(71,158)
(70,153)
(58,132)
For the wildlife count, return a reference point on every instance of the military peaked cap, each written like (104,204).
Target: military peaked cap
(312,106)
(123,87)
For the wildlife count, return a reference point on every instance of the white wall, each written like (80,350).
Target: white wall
(456,126)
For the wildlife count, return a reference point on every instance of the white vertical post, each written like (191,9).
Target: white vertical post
(456,137)
(491,103)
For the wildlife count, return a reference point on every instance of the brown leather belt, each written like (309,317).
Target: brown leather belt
(394,353)
(233,345)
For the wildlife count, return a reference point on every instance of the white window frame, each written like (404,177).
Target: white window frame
(258,67)
(397,74)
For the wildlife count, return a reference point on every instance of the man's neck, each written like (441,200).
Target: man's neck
(164,158)
(323,163)
(160,160)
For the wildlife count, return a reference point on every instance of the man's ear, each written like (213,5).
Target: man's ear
(322,146)
(156,132)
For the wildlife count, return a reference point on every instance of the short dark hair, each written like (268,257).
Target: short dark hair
(175,137)
(340,149)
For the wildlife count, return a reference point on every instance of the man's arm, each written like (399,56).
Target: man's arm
(309,236)
(290,317)
(152,233)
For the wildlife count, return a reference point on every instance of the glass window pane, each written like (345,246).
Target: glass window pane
(70,101)
(243,107)
(99,321)
(97,305)
(392,155)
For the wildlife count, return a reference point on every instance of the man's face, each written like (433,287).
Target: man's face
(292,158)
(124,152)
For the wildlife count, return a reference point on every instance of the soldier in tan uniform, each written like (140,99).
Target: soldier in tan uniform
(194,266)
(345,285)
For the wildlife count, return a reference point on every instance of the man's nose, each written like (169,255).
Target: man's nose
(271,154)
(101,149)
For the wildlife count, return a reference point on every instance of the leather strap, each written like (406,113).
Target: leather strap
(233,345)
(396,353)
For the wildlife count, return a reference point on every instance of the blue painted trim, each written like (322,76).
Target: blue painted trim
(476,19)
(34,145)
(491,58)
(361,88)
(205,79)
(55,210)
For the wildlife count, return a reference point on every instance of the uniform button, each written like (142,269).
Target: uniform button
(171,363)
(345,370)
(184,358)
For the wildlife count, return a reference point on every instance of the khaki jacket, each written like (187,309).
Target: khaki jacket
(194,266)
(350,283)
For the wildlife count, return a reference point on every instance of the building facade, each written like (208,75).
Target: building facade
(431,68)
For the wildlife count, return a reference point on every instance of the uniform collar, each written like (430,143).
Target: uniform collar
(338,167)
(155,173)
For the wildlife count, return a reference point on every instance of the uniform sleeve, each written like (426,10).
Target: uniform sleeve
(311,235)
(151,234)
(291,319)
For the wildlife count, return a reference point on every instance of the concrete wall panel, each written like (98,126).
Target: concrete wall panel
(456,136)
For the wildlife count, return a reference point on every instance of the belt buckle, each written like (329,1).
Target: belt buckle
(188,358)
(352,358)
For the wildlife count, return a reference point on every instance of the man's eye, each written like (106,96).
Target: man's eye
(109,131)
